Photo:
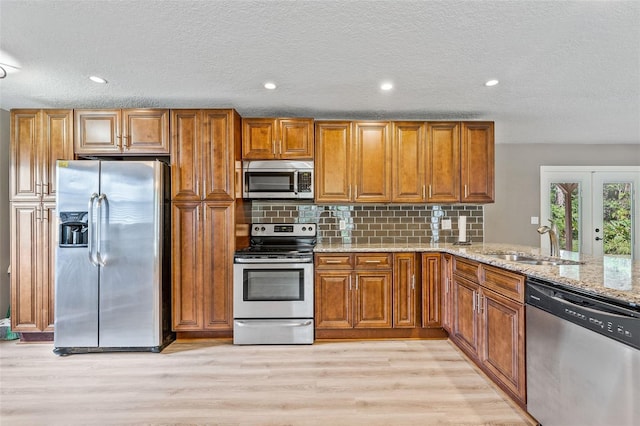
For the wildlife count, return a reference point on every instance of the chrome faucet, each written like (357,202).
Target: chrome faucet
(553,237)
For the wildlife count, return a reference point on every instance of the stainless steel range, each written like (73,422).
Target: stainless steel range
(273,285)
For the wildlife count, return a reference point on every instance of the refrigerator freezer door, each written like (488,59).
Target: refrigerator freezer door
(130,247)
(76,278)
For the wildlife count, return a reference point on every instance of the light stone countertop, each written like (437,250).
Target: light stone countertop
(612,277)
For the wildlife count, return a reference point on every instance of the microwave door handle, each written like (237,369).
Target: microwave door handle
(295,182)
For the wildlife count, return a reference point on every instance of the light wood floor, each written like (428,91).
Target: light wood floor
(409,382)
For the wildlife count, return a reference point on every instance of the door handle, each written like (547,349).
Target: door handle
(90,235)
(598,239)
(99,258)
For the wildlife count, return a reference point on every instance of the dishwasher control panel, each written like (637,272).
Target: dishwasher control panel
(613,321)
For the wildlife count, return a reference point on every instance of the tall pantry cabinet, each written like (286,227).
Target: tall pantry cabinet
(38,139)
(202,200)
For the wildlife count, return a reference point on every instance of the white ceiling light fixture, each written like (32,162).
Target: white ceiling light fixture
(270,86)
(386,86)
(97,79)
(491,83)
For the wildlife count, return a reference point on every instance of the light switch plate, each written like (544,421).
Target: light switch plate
(446,224)
(535,220)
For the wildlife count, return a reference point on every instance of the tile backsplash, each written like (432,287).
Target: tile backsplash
(380,223)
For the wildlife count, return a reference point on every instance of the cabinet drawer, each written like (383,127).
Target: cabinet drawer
(506,283)
(373,261)
(467,269)
(343,261)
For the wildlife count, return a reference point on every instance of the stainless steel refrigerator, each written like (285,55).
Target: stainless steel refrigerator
(112,283)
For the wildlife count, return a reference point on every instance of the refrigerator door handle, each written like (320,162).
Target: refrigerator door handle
(99,259)
(90,235)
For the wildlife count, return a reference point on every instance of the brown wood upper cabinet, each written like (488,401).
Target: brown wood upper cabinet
(122,132)
(38,139)
(277,138)
(477,169)
(203,160)
(353,161)
(443,162)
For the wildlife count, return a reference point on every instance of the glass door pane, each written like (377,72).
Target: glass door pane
(614,221)
(564,200)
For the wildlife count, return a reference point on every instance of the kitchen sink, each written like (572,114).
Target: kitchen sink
(530,260)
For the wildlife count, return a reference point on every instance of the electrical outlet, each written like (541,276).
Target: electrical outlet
(535,220)
(343,225)
(446,224)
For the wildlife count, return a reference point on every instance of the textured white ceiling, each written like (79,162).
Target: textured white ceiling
(569,71)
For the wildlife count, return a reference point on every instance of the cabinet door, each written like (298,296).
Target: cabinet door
(186,271)
(372,180)
(57,144)
(431,299)
(295,139)
(373,299)
(97,132)
(24,183)
(333,304)
(477,169)
(145,131)
(218,139)
(259,139)
(218,266)
(404,290)
(447,293)
(443,162)
(465,318)
(503,347)
(186,148)
(26,300)
(408,157)
(333,161)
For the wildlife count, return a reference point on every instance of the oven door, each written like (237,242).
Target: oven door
(272,290)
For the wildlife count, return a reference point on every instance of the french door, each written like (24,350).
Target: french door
(596,209)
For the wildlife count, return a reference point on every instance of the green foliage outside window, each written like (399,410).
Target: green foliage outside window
(558,201)
(617,218)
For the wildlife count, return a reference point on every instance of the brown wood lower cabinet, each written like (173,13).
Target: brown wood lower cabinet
(375,295)
(202,276)
(33,240)
(354,298)
(488,322)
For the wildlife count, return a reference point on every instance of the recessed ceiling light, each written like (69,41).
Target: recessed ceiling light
(386,86)
(491,83)
(270,86)
(97,79)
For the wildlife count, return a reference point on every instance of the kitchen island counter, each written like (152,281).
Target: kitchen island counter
(609,276)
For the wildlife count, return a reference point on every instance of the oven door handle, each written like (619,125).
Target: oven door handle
(284,323)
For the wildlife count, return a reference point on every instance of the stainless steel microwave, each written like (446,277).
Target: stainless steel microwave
(278,179)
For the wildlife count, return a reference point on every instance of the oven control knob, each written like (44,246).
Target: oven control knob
(263,229)
(310,228)
(256,228)
(304,228)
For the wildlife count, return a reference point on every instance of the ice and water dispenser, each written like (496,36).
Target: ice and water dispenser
(74,229)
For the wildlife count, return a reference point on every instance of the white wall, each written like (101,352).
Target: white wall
(508,220)
(4,210)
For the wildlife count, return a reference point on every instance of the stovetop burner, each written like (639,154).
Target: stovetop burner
(284,241)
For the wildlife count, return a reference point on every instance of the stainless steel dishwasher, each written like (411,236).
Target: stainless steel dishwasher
(583,358)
